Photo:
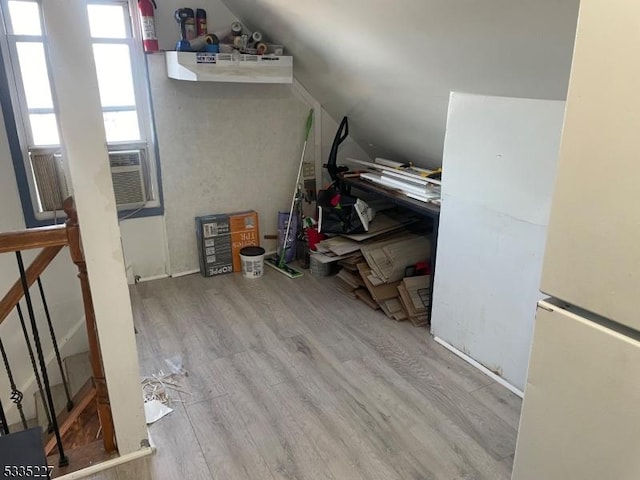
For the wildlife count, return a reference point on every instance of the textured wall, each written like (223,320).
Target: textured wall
(224,148)
(390,66)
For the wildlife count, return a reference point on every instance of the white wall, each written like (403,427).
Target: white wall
(144,244)
(224,148)
(390,66)
(499,167)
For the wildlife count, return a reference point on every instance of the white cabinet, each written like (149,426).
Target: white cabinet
(593,250)
(580,417)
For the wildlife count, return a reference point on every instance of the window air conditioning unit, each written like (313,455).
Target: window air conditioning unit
(127,173)
(128,169)
(51,182)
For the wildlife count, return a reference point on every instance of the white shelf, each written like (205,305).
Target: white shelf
(226,67)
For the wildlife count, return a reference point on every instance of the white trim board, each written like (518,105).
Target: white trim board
(153,277)
(184,274)
(100,467)
(480,367)
(304,95)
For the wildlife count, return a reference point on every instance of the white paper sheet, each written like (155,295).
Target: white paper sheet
(155,410)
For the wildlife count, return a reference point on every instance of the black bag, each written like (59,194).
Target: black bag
(338,213)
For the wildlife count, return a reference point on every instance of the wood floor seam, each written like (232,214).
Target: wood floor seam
(290,381)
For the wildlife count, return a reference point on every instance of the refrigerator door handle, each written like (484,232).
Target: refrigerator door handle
(546,305)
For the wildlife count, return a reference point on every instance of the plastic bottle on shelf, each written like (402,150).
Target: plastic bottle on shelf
(190,24)
(201,22)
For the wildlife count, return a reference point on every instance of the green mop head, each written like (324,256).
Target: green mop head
(275,263)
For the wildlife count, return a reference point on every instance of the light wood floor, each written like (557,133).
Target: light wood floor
(290,379)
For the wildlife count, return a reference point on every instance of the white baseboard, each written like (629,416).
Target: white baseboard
(153,277)
(100,467)
(184,274)
(480,367)
(191,272)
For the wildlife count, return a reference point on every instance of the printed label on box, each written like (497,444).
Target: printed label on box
(219,269)
(220,239)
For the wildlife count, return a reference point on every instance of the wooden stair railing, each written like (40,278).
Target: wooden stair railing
(37,267)
(52,240)
(95,355)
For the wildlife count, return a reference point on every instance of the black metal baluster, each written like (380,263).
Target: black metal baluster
(4,427)
(63,461)
(16,395)
(35,367)
(55,346)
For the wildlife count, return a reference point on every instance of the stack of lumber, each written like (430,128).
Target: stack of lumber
(411,181)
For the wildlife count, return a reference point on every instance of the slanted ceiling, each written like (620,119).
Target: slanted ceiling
(390,65)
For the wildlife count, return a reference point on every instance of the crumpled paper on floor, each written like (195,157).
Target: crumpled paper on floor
(154,410)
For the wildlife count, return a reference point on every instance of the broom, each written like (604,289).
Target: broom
(275,262)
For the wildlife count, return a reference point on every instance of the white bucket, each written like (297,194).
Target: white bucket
(252,259)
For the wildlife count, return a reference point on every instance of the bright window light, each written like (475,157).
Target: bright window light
(113,66)
(107,21)
(121,126)
(25,17)
(45,129)
(120,69)
(33,68)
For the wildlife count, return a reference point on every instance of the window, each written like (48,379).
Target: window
(121,71)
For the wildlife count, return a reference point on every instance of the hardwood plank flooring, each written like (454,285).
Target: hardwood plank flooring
(289,379)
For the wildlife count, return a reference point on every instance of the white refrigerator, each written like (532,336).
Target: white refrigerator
(581,411)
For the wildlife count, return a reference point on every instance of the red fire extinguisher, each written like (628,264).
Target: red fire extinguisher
(149,39)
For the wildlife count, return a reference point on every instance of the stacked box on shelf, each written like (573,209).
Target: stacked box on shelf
(220,238)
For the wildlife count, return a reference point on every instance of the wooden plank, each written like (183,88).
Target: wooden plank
(82,457)
(41,237)
(502,402)
(408,172)
(15,293)
(226,443)
(66,419)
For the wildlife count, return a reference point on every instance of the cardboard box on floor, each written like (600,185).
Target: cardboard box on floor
(412,301)
(221,237)
(385,291)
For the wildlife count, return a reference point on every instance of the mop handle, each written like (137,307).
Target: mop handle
(293,199)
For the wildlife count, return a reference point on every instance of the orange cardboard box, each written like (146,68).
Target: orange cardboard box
(220,238)
(245,232)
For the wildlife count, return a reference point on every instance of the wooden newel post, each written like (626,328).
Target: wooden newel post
(77,256)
